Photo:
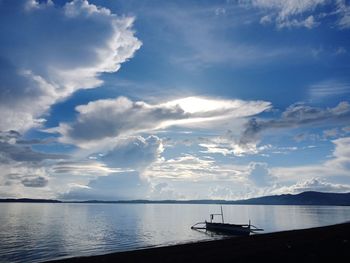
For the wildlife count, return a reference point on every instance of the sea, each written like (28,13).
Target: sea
(37,232)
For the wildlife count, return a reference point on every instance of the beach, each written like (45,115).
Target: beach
(329,243)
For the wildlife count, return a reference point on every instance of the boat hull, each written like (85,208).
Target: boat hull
(231,229)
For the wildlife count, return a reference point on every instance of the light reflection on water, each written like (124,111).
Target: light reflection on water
(38,232)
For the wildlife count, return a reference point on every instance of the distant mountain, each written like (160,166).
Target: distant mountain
(305,198)
(28,200)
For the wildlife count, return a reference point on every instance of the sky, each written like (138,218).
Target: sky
(151,99)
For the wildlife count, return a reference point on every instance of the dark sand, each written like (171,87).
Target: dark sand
(323,244)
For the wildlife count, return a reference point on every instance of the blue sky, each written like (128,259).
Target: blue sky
(174,99)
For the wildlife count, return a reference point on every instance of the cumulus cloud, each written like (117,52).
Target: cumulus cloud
(111,118)
(260,175)
(341,154)
(313,184)
(115,173)
(46,62)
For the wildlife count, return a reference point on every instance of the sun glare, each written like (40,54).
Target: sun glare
(198,104)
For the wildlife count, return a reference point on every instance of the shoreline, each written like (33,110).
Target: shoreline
(326,243)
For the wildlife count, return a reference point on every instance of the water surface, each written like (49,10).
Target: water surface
(35,232)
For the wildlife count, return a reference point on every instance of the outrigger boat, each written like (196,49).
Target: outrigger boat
(225,228)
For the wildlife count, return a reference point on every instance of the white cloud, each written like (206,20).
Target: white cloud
(46,62)
(184,167)
(110,118)
(192,168)
(313,184)
(294,13)
(287,13)
(287,8)
(341,155)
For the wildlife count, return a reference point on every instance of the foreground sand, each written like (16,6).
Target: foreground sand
(323,244)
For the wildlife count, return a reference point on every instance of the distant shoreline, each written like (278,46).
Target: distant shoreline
(305,198)
(321,244)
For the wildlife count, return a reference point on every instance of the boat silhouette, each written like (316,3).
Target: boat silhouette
(226,228)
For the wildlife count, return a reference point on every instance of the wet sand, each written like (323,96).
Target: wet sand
(323,244)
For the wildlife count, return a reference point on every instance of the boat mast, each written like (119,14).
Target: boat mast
(222,215)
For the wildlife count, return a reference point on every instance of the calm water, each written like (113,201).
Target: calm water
(39,232)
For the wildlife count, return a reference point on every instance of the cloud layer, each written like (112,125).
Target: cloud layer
(295,116)
(115,117)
